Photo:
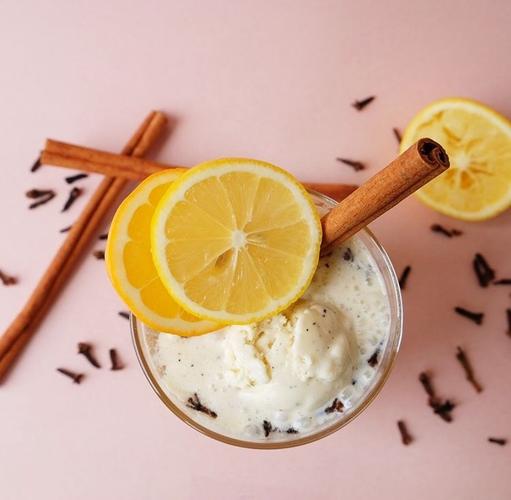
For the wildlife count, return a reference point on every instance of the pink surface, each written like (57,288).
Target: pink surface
(272,80)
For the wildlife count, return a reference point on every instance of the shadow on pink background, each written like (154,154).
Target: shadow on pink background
(271,80)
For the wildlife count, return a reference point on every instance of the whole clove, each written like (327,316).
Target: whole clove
(75,377)
(73,178)
(86,349)
(472,316)
(124,314)
(441,408)
(508,315)
(485,274)
(36,165)
(356,165)
(41,196)
(499,441)
(99,254)
(373,360)
(397,135)
(359,105)
(404,277)
(7,280)
(336,405)
(503,281)
(114,359)
(74,194)
(406,438)
(195,404)
(467,367)
(437,228)
(65,229)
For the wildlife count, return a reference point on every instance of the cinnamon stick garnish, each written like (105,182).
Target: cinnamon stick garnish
(61,154)
(419,164)
(84,229)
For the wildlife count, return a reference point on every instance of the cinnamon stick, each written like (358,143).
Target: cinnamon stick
(419,164)
(61,154)
(19,332)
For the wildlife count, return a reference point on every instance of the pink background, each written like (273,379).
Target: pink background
(272,80)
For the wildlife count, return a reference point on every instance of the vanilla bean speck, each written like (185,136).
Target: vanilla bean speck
(336,405)
(473,316)
(373,360)
(195,404)
(359,105)
(356,165)
(348,255)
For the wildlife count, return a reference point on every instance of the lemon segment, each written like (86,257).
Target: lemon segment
(130,264)
(477,139)
(235,240)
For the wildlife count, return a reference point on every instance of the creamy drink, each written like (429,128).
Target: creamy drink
(289,375)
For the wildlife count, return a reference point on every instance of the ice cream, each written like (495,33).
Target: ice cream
(292,373)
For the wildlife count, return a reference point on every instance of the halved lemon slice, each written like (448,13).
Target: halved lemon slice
(130,265)
(236,240)
(477,139)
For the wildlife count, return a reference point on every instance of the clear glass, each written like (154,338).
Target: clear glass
(388,356)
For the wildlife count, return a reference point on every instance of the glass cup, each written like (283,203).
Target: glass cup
(387,356)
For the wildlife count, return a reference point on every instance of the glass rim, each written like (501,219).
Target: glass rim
(393,346)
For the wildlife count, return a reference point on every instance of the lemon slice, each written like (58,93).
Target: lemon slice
(236,240)
(477,139)
(130,265)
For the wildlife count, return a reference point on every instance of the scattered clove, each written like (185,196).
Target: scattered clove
(76,377)
(397,135)
(336,405)
(36,165)
(124,314)
(499,441)
(441,408)
(485,274)
(99,254)
(437,228)
(86,349)
(74,178)
(406,438)
(404,277)
(469,372)
(103,236)
(356,165)
(7,280)
(359,105)
(114,358)
(472,316)
(65,229)
(41,196)
(373,360)
(73,195)
(503,281)
(195,404)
